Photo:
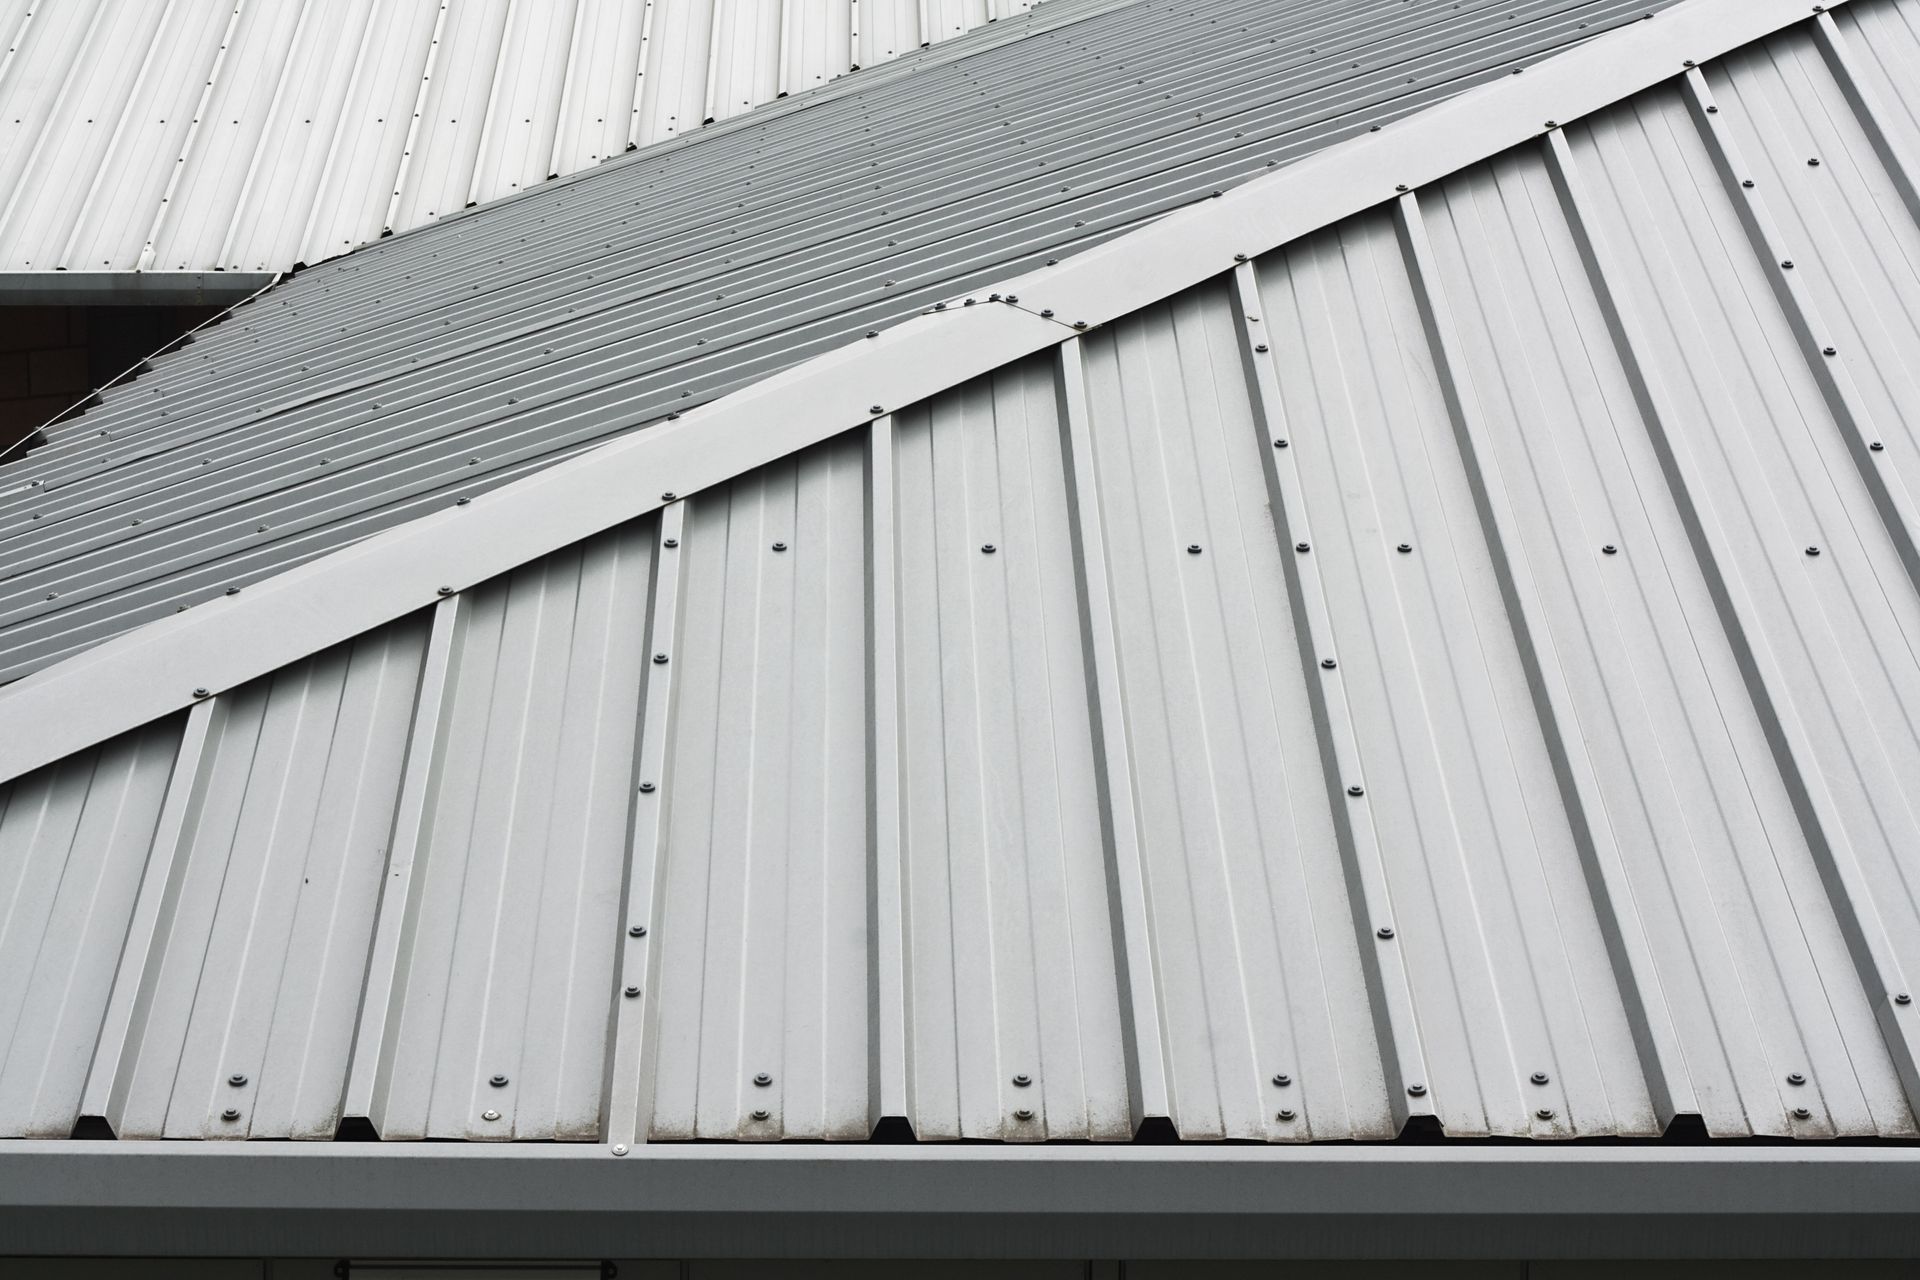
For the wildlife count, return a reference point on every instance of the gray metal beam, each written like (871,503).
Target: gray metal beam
(408,1200)
(130,288)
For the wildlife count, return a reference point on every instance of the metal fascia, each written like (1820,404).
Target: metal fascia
(769,1200)
(150,672)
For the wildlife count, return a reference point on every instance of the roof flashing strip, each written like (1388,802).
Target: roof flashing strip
(153,670)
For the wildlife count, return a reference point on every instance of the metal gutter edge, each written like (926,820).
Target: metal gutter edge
(130,288)
(153,670)
(561,1200)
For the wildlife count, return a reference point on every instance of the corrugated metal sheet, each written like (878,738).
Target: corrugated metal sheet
(239,135)
(1485,626)
(364,392)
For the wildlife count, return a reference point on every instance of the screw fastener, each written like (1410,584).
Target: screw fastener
(1795,1078)
(1302,547)
(1285,1113)
(1260,346)
(1801,1113)
(1328,663)
(763,1080)
(646,788)
(760,1113)
(1544,1113)
(201,693)
(619,1148)
(1024,1113)
(1356,790)
(660,659)
(231,1113)
(779,546)
(637,931)
(1539,1077)
(1193,548)
(1417,1090)
(489,1114)
(988,548)
(498,1082)
(1903,998)
(237,1080)
(1385,931)
(1283,1079)
(1813,551)
(632,992)
(1022,1080)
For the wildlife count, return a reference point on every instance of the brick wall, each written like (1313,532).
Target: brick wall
(51,357)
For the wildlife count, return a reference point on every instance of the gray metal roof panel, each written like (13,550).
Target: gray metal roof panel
(435,359)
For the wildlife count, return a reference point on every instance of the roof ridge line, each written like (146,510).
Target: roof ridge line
(171,663)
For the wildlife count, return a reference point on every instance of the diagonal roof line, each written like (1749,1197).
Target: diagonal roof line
(168,664)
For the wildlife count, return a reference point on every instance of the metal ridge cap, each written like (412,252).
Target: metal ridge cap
(156,669)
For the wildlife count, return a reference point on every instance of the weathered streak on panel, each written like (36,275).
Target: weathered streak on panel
(1253,944)
(765,948)
(1012,958)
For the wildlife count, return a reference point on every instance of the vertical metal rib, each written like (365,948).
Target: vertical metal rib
(1867,940)
(1145,1029)
(891,1080)
(413,125)
(569,84)
(633,1044)
(1809,330)
(105,1095)
(1867,109)
(1656,1041)
(381,999)
(492,113)
(259,149)
(318,200)
(26,189)
(186,148)
(1403,1059)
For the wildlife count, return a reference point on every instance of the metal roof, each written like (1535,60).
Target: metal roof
(236,135)
(438,364)
(1426,635)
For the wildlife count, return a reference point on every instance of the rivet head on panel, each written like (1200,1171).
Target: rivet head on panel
(1544,1113)
(1279,444)
(1356,790)
(670,543)
(1417,1090)
(1046,313)
(1259,346)
(1747,182)
(1013,297)
(1876,446)
(873,333)
(939,306)
(673,415)
(201,693)
(1193,548)
(1284,1113)
(1404,548)
(637,931)
(632,992)
(1328,663)
(619,1148)
(1384,931)
(1903,998)
(1713,110)
(647,788)
(498,1082)
(779,546)
(1795,1078)
(461,502)
(1814,161)
(1786,264)
(1303,547)
(760,1114)
(763,1080)
(1024,1113)
(231,1113)
(1552,124)
(1539,1077)
(874,408)
(1687,63)
(1022,1080)
(1813,551)
(237,1080)
(1802,1113)
(668,496)
(489,1114)
(233,591)
(1829,351)
(988,548)
(1609,550)
(1401,186)
(1283,1079)
(1079,324)
(660,659)
(445,591)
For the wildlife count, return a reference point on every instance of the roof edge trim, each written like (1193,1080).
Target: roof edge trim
(168,664)
(130,288)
